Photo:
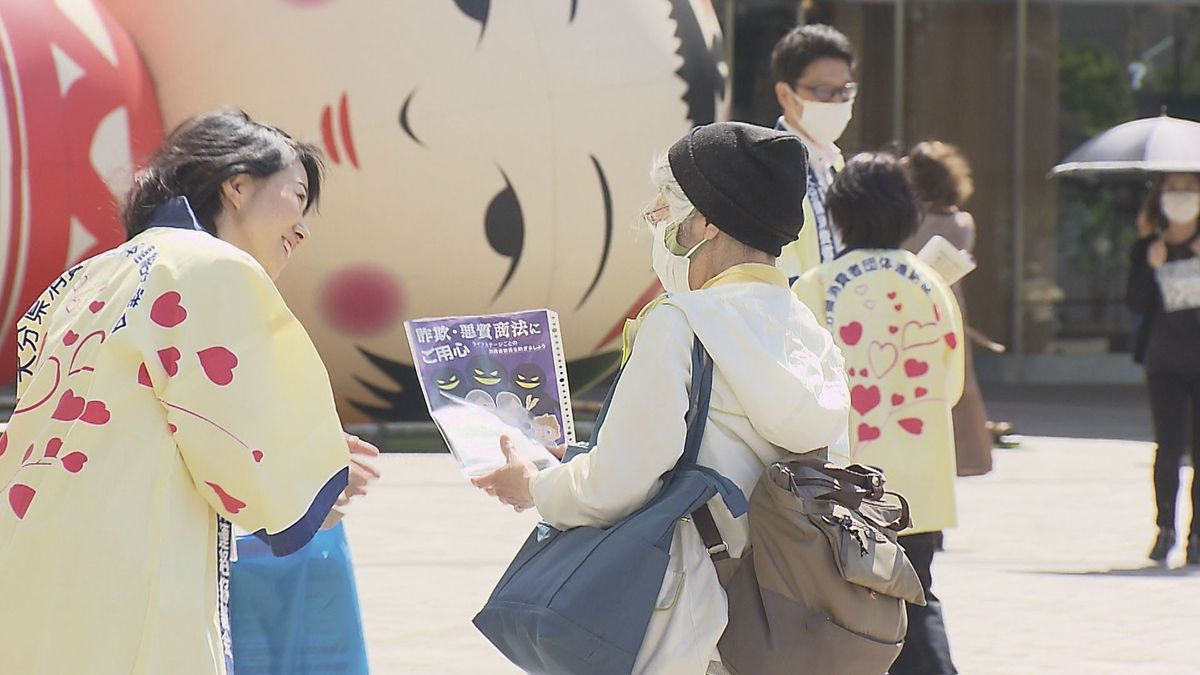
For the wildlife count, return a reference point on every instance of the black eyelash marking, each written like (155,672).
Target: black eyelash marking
(608,229)
(505,228)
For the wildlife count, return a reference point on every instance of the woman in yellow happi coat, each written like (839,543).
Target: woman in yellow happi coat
(898,325)
(165,390)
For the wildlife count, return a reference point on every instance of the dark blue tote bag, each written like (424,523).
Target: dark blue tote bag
(578,601)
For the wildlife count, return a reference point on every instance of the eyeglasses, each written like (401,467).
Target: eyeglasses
(826,93)
(648,216)
(671,234)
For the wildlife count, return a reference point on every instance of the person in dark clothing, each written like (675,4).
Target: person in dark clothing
(1164,289)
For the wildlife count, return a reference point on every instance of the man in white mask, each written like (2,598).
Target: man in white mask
(813,67)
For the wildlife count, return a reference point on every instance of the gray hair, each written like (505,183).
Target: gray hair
(664,180)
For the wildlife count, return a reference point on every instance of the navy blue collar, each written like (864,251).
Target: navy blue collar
(176,212)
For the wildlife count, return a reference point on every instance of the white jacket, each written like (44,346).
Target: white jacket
(778,386)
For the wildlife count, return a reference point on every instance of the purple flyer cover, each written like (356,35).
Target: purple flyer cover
(493,375)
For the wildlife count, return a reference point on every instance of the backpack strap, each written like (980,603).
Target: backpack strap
(699,397)
(717,549)
(697,419)
(698,400)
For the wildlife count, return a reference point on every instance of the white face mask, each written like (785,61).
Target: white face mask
(1180,206)
(824,122)
(670,266)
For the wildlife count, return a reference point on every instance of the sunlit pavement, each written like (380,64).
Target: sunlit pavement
(1046,572)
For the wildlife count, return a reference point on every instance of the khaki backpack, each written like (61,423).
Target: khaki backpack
(822,586)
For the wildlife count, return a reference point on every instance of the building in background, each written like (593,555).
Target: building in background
(1017,84)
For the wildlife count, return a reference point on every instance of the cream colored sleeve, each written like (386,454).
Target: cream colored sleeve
(640,440)
(248,399)
(808,289)
(955,357)
(804,254)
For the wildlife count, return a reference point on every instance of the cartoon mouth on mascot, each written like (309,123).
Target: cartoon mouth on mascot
(482,156)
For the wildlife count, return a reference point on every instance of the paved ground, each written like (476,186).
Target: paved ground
(1045,574)
(1082,411)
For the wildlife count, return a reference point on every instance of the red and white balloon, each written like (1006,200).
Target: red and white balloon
(78,111)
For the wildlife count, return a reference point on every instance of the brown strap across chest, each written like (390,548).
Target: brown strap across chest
(717,548)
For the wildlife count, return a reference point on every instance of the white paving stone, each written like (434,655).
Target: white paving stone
(1046,572)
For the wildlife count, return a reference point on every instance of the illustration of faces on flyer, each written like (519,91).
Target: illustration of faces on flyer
(487,376)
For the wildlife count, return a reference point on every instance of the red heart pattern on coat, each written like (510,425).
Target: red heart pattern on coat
(864,399)
(882,357)
(144,376)
(74,462)
(912,425)
(228,502)
(19,498)
(915,368)
(917,334)
(218,364)
(851,333)
(95,413)
(166,310)
(169,358)
(69,407)
(866,432)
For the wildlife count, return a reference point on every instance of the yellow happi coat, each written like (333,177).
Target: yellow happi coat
(898,325)
(164,387)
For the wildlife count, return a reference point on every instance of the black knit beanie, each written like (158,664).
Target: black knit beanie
(747,180)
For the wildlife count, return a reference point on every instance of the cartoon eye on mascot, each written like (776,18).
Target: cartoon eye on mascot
(483,156)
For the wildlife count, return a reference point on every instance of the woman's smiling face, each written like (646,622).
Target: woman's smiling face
(266,215)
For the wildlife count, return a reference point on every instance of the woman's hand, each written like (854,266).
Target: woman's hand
(1156,253)
(509,483)
(362,474)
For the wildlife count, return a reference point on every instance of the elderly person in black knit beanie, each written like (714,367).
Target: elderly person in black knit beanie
(728,200)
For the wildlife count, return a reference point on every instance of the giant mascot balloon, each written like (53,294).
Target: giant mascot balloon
(484,156)
(78,111)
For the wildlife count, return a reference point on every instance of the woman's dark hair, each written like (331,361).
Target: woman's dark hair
(205,151)
(873,203)
(940,174)
(805,44)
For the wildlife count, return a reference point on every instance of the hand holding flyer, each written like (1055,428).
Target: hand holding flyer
(946,259)
(488,376)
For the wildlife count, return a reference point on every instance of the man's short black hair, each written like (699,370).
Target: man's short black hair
(805,44)
(872,202)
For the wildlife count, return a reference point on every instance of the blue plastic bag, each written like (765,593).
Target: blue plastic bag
(296,615)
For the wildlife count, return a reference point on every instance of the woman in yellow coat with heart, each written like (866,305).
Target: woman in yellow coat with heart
(899,327)
(165,391)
